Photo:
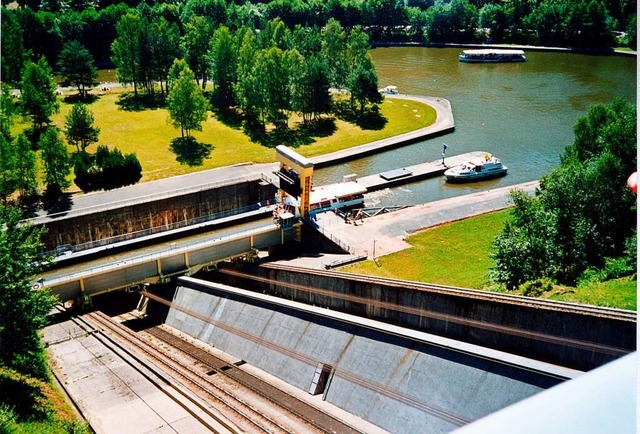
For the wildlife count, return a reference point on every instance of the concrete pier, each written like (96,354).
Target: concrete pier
(417,172)
(444,124)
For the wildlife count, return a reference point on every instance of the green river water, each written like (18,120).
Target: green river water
(523,112)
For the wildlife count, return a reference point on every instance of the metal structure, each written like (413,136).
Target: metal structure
(295,174)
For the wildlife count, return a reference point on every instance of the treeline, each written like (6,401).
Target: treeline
(267,75)
(36,28)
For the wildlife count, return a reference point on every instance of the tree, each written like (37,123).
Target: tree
(13,53)
(165,48)
(8,181)
(334,41)
(126,50)
(187,105)
(26,167)
(271,86)
(583,212)
(363,83)
(311,95)
(7,111)
(198,33)
(79,128)
(56,161)
(224,65)
(38,94)
(76,65)
(23,310)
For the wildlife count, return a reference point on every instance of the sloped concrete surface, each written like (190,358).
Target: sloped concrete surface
(404,384)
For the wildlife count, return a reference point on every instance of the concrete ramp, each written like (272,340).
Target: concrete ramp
(398,379)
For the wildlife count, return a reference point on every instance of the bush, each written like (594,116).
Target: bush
(107,169)
(536,288)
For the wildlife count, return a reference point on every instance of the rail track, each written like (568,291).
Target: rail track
(248,402)
(321,420)
(199,410)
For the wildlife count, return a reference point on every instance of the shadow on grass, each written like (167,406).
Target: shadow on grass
(369,119)
(304,134)
(189,151)
(77,98)
(230,117)
(129,102)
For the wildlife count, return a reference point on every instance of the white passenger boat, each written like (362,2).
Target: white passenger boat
(492,55)
(479,170)
(335,196)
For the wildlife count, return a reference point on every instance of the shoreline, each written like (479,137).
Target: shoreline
(589,51)
(444,124)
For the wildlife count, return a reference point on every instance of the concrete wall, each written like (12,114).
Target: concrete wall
(400,384)
(154,215)
(507,311)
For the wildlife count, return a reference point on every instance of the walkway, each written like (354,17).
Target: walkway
(444,124)
(387,232)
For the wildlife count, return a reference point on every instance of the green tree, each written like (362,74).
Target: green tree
(176,69)
(55,160)
(76,66)
(13,53)
(26,167)
(198,34)
(334,41)
(79,128)
(165,48)
(126,50)
(38,94)
(8,173)
(271,85)
(224,65)
(363,84)
(245,88)
(23,310)
(311,95)
(583,212)
(7,111)
(187,105)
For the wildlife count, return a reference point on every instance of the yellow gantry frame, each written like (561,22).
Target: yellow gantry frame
(290,159)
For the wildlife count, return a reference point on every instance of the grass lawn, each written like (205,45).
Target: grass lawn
(457,254)
(148,134)
(35,407)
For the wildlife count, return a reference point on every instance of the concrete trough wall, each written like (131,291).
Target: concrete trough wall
(401,384)
(156,214)
(462,307)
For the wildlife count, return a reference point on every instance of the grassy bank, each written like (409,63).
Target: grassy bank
(457,254)
(33,406)
(148,134)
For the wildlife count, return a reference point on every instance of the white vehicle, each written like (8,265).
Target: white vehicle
(487,168)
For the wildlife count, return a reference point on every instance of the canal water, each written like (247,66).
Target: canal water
(523,113)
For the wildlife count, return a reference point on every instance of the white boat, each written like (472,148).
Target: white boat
(492,56)
(335,196)
(478,170)
(389,90)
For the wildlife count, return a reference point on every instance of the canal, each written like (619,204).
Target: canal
(523,113)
